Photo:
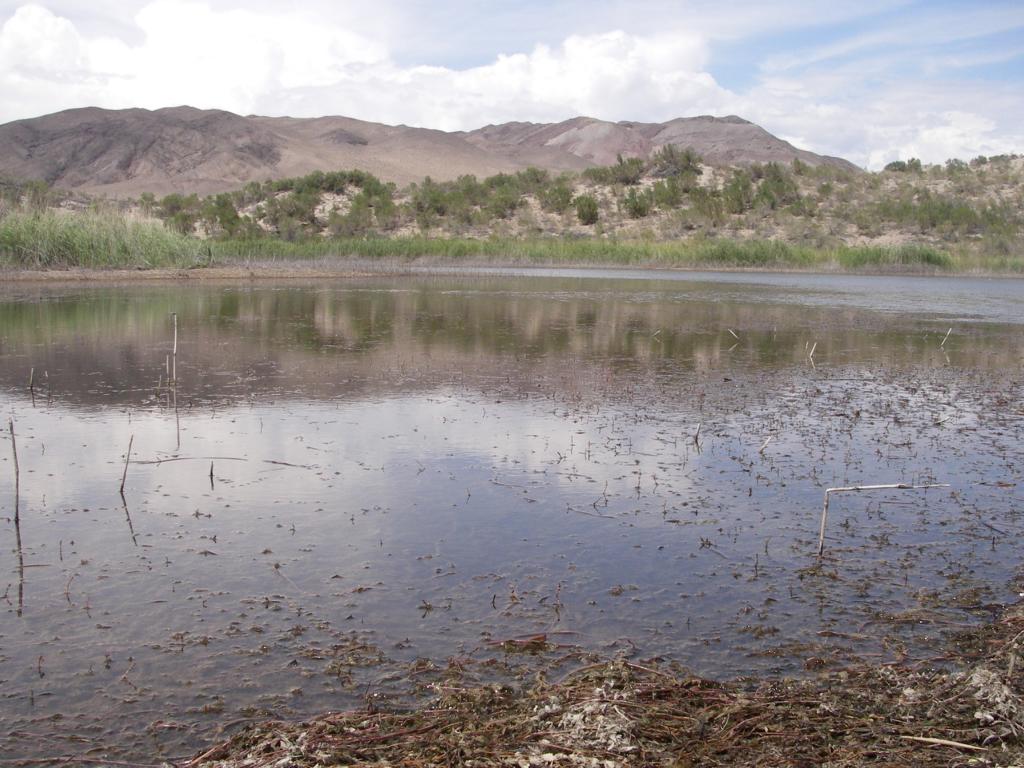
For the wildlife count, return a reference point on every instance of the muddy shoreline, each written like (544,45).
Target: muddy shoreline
(344,268)
(964,709)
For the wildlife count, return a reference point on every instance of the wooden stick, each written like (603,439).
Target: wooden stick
(174,351)
(848,488)
(32,380)
(127,458)
(17,523)
(765,444)
(945,337)
(696,435)
(17,474)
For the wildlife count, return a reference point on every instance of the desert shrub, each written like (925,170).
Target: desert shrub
(625,171)
(532,180)
(667,193)
(556,198)
(502,202)
(913,165)
(180,212)
(221,216)
(586,209)
(738,192)
(671,161)
(708,206)
(637,204)
(777,188)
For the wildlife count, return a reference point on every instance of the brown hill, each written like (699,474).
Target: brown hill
(182,149)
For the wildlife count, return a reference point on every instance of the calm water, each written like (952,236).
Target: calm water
(411,470)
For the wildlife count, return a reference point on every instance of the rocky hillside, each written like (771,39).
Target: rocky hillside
(124,153)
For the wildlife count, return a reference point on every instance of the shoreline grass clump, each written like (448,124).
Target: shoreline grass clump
(47,238)
(864,257)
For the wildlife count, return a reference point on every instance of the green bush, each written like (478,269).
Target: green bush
(913,165)
(557,198)
(637,204)
(708,206)
(776,188)
(586,209)
(625,171)
(738,192)
(667,193)
(670,161)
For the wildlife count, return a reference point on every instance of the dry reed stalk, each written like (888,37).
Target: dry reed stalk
(17,475)
(127,458)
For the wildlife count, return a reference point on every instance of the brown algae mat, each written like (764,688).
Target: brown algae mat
(620,713)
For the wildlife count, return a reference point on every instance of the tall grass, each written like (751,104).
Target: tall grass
(49,238)
(864,257)
(696,252)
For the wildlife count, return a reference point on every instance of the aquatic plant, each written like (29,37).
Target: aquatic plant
(52,238)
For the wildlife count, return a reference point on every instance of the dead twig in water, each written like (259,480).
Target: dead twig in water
(127,458)
(849,488)
(17,475)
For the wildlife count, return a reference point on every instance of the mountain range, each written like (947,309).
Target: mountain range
(122,153)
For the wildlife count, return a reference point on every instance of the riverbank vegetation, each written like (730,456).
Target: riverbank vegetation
(672,211)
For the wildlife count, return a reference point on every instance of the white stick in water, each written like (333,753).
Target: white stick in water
(174,352)
(845,489)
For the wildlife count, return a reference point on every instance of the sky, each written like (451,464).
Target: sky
(871,80)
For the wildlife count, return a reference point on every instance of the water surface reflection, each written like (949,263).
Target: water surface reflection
(352,477)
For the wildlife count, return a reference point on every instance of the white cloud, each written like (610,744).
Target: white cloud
(274,62)
(35,40)
(188,54)
(609,75)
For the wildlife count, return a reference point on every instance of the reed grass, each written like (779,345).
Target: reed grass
(693,253)
(50,238)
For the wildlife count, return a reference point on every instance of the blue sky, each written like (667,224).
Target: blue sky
(872,80)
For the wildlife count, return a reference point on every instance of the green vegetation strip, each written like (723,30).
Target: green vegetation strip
(683,253)
(53,239)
